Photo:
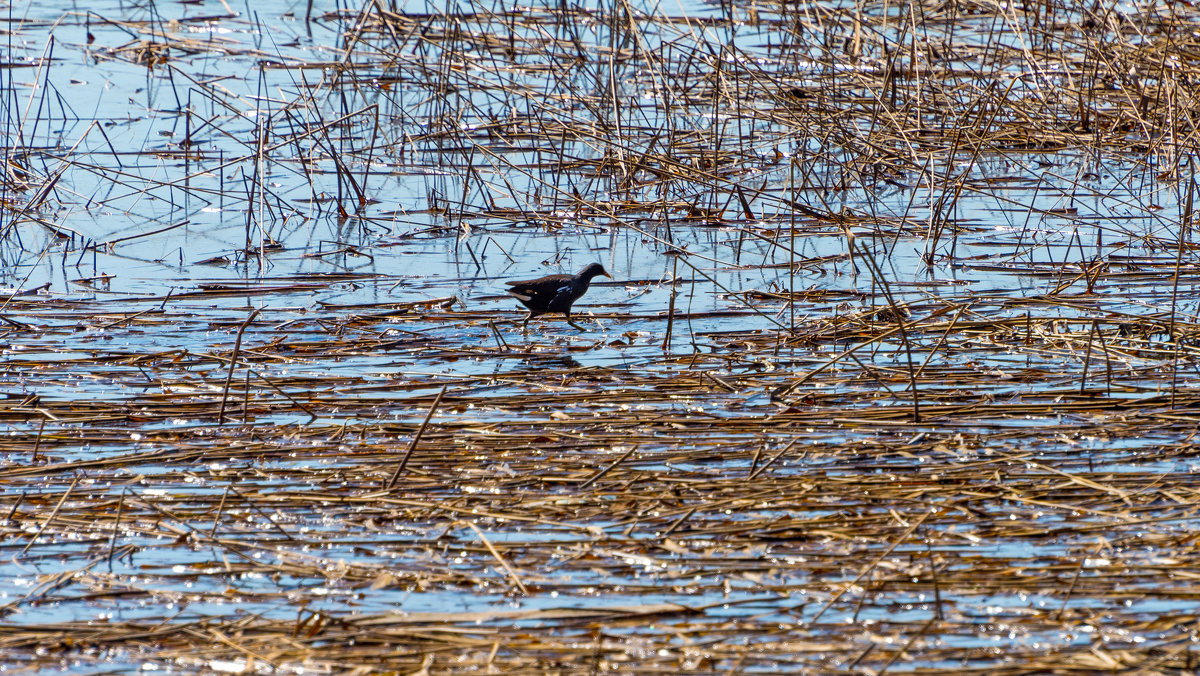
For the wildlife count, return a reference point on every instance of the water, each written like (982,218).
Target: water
(171,168)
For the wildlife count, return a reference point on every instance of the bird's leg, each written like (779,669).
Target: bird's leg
(572,323)
(525,324)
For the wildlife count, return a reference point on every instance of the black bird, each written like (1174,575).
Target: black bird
(554,293)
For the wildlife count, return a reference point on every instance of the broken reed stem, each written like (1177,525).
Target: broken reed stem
(1087,358)
(933,573)
(942,340)
(679,522)
(255,507)
(788,389)
(416,438)
(37,444)
(666,343)
(862,656)
(758,451)
(503,562)
(49,519)
(212,533)
(16,504)
(863,573)
(311,416)
(608,469)
(898,314)
(501,344)
(1184,224)
(233,360)
(753,475)
(1075,580)
(896,655)
(112,542)
(222,638)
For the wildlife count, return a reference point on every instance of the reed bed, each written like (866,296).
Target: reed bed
(898,371)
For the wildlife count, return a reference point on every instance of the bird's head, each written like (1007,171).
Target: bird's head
(593,270)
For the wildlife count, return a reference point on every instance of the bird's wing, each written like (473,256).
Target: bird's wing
(562,295)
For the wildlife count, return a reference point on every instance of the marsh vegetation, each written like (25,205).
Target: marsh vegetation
(897,369)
